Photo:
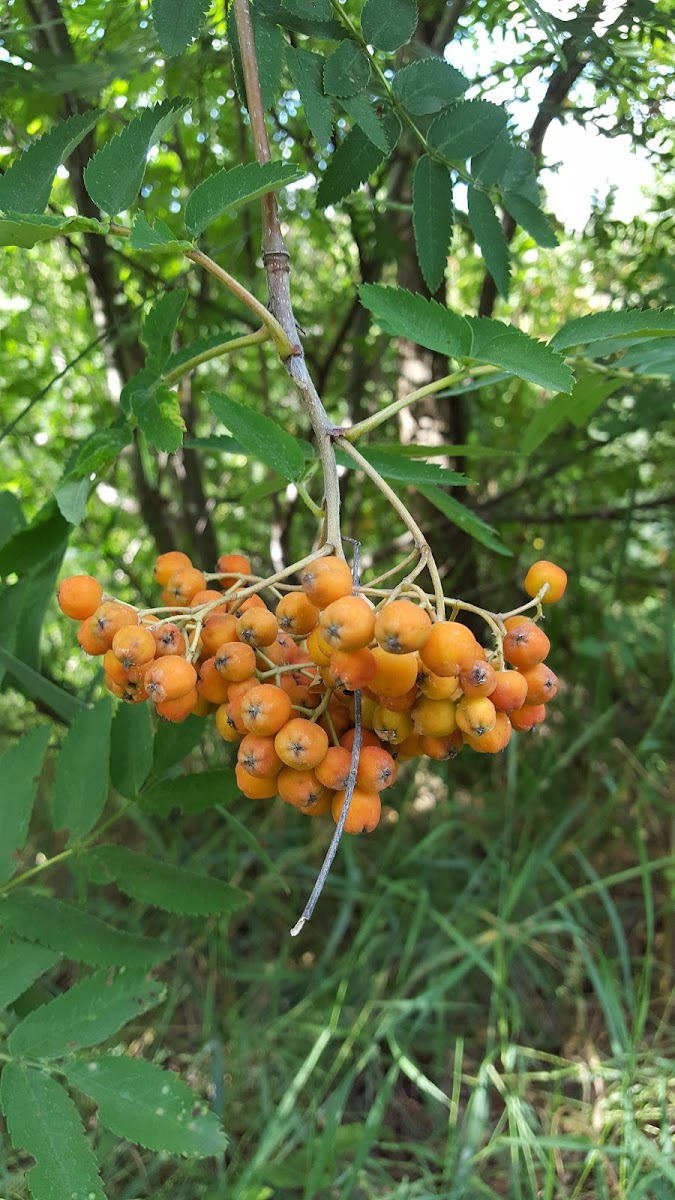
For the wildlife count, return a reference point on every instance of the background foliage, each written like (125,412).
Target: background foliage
(481,1005)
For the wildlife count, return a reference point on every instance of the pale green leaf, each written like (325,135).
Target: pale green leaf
(388,24)
(71,497)
(22,963)
(465,519)
(44,1123)
(114,176)
(159,326)
(261,436)
(346,71)
(489,234)
(90,1012)
(166,886)
(178,22)
(130,748)
(433,215)
(147,1105)
(20,770)
(509,348)
(586,396)
(467,128)
(77,934)
(306,71)
(584,331)
(26,185)
(81,778)
(404,314)
(362,113)
(488,167)
(227,189)
(532,219)
(26,230)
(33,684)
(192,793)
(157,410)
(429,86)
(157,236)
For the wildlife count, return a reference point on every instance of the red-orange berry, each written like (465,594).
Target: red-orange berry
(302,789)
(301,743)
(402,627)
(182,586)
(281,652)
(265,709)
(376,770)
(476,716)
(169,678)
(527,717)
(510,691)
(480,680)
(108,618)
(257,627)
(347,623)
(254,788)
(218,628)
(542,684)
(231,566)
(79,596)
(494,739)
(133,645)
(168,639)
(242,606)
(258,756)
(545,572)
(333,770)
(167,565)
(525,645)
(179,709)
(450,649)
(364,810)
(296,614)
(352,669)
(235,661)
(211,684)
(325,580)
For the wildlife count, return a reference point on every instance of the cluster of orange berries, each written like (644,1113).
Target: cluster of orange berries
(281,683)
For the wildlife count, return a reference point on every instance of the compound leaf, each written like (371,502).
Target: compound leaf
(388,24)
(361,112)
(467,128)
(157,236)
(316,10)
(178,23)
(166,886)
(532,219)
(631,322)
(114,176)
(81,777)
(433,215)
(159,326)
(426,322)
(229,188)
(512,350)
(26,186)
(26,229)
(465,519)
(130,748)
(487,230)
(346,71)
(192,793)
(306,70)
(429,86)
(75,933)
(20,769)
(259,435)
(22,963)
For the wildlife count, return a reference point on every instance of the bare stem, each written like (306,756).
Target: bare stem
(378,418)
(238,343)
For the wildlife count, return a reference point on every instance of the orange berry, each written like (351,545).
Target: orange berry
(169,678)
(167,565)
(265,709)
(410,748)
(364,810)
(241,606)
(392,727)
(326,579)
(79,596)
(494,739)
(352,669)
(255,789)
(301,743)
(450,649)
(235,661)
(211,684)
(317,649)
(179,709)
(436,687)
(442,748)
(368,738)
(525,645)
(296,614)
(527,717)
(237,691)
(133,645)
(182,586)
(347,624)
(89,640)
(204,707)
(435,718)
(225,727)
(377,769)
(257,627)
(476,716)
(218,628)
(302,789)
(114,669)
(238,564)
(396,673)
(546,572)
(333,770)
(168,639)
(205,596)
(542,684)
(519,619)
(480,680)
(402,627)
(281,652)
(258,756)
(108,618)
(403,703)
(510,691)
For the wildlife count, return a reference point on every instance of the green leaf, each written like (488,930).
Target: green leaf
(192,793)
(388,24)
(259,435)
(157,410)
(90,1012)
(465,519)
(12,519)
(361,112)
(219,443)
(317,10)
(78,935)
(130,748)
(114,176)
(350,165)
(433,215)
(165,886)
(158,236)
(26,230)
(586,396)
(20,770)
(26,186)
(101,449)
(22,964)
(227,189)
(81,778)
(178,23)
(467,128)
(159,327)
(532,219)
(44,1123)
(33,684)
(487,230)
(29,547)
(397,466)
(346,71)
(173,743)
(404,314)
(509,348)
(583,331)
(429,86)
(520,175)
(306,71)
(149,1106)
(71,497)
(488,167)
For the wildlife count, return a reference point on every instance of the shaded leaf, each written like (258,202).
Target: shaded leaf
(192,793)
(361,112)
(586,396)
(465,519)
(433,215)
(426,322)
(487,230)
(29,547)
(388,24)
(22,963)
(159,326)
(173,743)
(71,497)
(131,748)
(147,1105)
(520,175)
(157,236)
(488,167)
(259,435)
(157,410)
(351,164)
(429,86)
(346,71)
(26,185)
(43,1122)
(114,176)
(166,886)
(393,465)
(178,23)
(318,10)
(25,230)
(35,685)
(20,770)
(509,348)
(306,70)
(77,934)
(583,331)
(532,219)
(239,185)
(81,777)
(468,128)
(12,519)
(220,443)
